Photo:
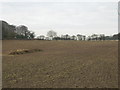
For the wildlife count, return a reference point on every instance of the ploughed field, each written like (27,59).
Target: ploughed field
(59,64)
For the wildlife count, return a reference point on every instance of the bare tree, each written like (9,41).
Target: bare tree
(42,37)
(79,37)
(21,30)
(89,38)
(67,37)
(102,37)
(31,35)
(94,37)
(51,34)
(63,37)
(84,37)
(73,37)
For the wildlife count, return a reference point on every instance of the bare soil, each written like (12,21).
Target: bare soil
(61,64)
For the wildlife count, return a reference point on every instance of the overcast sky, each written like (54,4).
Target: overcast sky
(63,17)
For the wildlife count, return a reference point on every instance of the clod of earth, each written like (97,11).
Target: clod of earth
(24,51)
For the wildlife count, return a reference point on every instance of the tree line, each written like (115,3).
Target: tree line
(52,35)
(22,32)
(16,32)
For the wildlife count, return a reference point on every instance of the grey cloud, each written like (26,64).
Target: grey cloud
(82,17)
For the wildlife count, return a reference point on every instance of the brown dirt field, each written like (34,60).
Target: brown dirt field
(61,64)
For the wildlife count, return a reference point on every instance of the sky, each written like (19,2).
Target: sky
(64,17)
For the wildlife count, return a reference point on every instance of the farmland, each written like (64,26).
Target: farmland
(60,64)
